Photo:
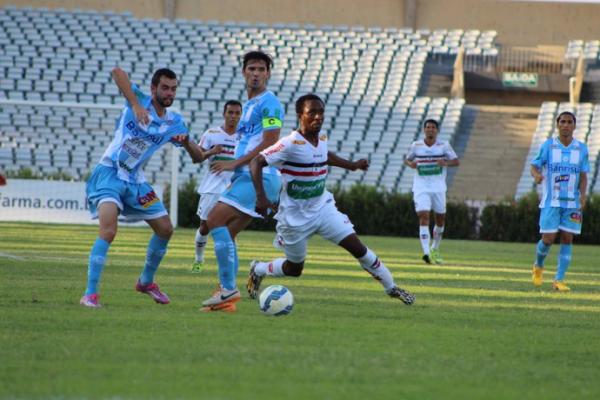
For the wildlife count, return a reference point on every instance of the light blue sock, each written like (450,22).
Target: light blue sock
(236,260)
(226,256)
(564,259)
(96,264)
(157,248)
(541,253)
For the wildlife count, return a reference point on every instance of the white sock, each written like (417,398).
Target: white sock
(438,232)
(273,268)
(377,269)
(200,246)
(424,236)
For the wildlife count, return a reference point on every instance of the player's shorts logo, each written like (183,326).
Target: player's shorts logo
(148,199)
(575,217)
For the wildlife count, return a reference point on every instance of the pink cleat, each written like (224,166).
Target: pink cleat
(153,291)
(90,300)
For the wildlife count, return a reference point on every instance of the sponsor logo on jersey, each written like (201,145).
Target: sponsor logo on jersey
(275,149)
(323,138)
(559,168)
(562,178)
(429,170)
(125,167)
(303,190)
(148,199)
(299,142)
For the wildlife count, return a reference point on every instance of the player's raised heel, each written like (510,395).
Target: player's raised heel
(254,281)
(153,291)
(402,295)
(90,300)
(537,276)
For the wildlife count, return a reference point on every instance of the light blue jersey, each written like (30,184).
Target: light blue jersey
(561,167)
(134,143)
(261,113)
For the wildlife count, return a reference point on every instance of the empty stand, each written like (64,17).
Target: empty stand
(369,78)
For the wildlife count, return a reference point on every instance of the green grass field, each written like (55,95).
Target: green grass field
(478,329)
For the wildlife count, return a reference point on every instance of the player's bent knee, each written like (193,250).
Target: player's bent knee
(293,269)
(203,228)
(108,233)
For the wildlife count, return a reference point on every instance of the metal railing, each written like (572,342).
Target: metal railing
(541,60)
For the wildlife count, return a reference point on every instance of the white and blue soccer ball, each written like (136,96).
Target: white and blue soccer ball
(276,300)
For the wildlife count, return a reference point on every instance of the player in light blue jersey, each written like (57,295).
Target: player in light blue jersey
(259,128)
(561,168)
(117,184)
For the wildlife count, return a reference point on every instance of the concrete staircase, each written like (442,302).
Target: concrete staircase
(590,92)
(436,81)
(495,153)
(461,139)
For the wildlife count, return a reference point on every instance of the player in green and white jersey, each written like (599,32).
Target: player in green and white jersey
(305,206)
(430,158)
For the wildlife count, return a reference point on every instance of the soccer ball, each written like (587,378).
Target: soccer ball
(276,300)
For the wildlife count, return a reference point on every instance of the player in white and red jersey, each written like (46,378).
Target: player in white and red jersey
(430,158)
(305,205)
(216,144)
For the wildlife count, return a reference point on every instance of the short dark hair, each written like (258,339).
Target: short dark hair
(431,121)
(566,113)
(162,72)
(258,55)
(307,97)
(231,103)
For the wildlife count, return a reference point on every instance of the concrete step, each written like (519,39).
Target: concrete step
(495,153)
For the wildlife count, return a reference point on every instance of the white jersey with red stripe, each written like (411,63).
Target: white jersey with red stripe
(216,183)
(429,176)
(303,170)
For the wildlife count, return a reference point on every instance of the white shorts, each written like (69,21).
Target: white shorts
(206,204)
(330,224)
(427,201)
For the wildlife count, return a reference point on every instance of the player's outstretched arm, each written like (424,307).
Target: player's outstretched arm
(537,175)
(336,161)
(195,150)
(269,138)
(256,166)
(124,84)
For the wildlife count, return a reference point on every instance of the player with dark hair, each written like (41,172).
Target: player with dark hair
(117,184)
(561,168)
(216,144)
(430,158)
(259,128)
(306,207)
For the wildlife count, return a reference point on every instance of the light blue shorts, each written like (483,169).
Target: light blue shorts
(136,201)
(553,219)
(241,194)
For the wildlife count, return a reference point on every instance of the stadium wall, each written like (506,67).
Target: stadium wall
(517,22)
(523,23)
